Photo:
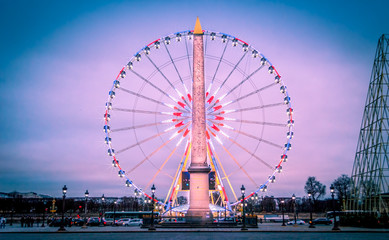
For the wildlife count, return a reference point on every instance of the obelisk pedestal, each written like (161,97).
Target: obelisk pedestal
(199,169)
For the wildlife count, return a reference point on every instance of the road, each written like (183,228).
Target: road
(197,235)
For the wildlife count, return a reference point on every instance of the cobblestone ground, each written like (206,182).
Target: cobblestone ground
(198,235)
(264,231)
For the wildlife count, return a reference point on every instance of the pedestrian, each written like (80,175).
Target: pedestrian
(22,221)
(32,222)
(2,222)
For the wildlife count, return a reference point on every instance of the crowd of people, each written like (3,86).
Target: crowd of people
(27,221)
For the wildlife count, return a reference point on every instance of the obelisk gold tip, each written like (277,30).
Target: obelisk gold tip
(198,29)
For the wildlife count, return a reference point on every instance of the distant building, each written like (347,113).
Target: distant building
(15,194)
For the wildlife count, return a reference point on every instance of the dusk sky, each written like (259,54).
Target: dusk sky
(58,60)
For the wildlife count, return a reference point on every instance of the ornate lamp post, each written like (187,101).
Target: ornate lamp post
(256,202)
(136,193)
(103,203)
(335,228)
(44,212)
(86,207)
(243,189)
(225,210)
(86,201)
(12,210)
(114,213)
(282,209)
(294,209)
(310,210)
(62,227)
(152,228)
(147,203)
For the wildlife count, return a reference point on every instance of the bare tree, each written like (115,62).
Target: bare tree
(316,188)
(342,187)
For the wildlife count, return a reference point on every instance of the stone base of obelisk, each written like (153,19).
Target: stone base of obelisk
(199,212)
(199,217)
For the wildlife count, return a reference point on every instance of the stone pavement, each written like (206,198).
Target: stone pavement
(266,227)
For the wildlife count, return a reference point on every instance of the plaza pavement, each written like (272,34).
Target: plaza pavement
(265,227)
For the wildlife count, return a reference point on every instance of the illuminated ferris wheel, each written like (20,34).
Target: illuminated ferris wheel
(148,117)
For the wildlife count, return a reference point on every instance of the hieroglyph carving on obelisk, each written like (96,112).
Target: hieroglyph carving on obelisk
(199,169)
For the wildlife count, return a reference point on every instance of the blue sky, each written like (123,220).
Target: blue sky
(58,60)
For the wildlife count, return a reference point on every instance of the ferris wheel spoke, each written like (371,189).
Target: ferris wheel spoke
(258,138)
(218,118)
(144,111)
(174,64)
(182,164)
(259,107)
(244,133)
(241,82)
(187,54)
(224,173)
(168,121)
(211,156)
(171,85)
(252,93)
(160,168)
(143,141)
(142,96)
(147,158)
(233,158)
(158,149)
(252,154)
(239,165)
(229,75)
(214,113)
(217,69)
(154,86)
(136,127)
(179,76)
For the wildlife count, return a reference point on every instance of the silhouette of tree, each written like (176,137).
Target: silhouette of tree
(316,188)
(342,187)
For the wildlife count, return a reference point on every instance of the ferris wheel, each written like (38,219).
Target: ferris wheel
(148,117)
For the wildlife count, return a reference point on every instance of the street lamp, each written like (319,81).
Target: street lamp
(44,212)
(225,211)
(114,212)
(147,203)
(335,228)
(103,203)
(282,209)
(152,228)
(62,227)
(294,209)
(86,207)
(310,210)
(12,210)
(136,193)
(86,201)
(243,189)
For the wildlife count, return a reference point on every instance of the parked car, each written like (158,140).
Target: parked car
(274,218)
(298,222)
(134,222)
(122,221)
(322,221)
(55,223)
(77,222)
(225,220)
(95,221)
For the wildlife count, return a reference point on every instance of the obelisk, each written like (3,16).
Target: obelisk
(199,169)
